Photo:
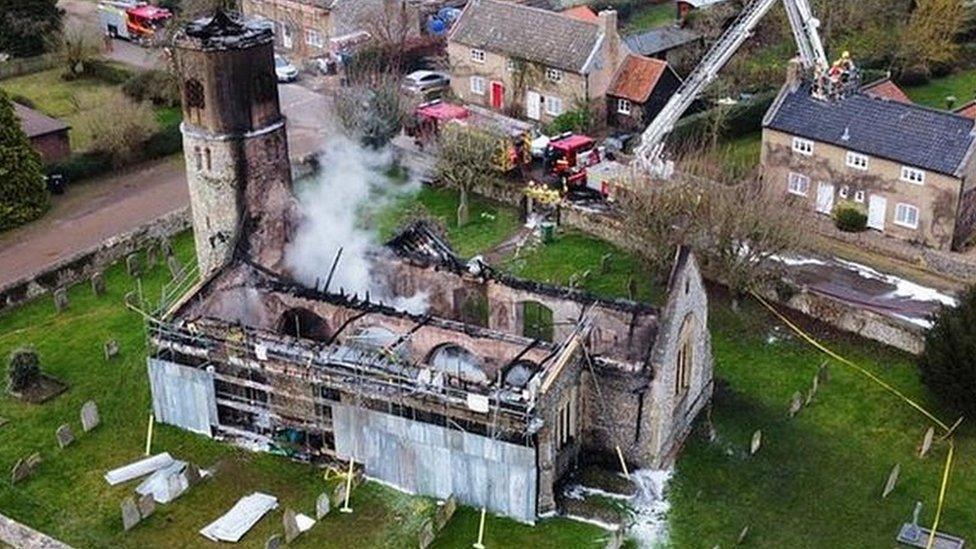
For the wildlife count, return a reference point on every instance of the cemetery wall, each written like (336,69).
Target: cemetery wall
(16,534)
(81,265)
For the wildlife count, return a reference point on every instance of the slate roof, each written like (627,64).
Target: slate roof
(886,89)
(659,40)
(533,34)
(636,78)
(35,123)
(905,133)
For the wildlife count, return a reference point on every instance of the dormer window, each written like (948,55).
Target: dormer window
(554,75)
(912,175)
(802,146)
(478,56)
(857,161)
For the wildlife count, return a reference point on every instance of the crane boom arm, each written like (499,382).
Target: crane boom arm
(648,154)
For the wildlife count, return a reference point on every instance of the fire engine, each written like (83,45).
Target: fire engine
(136,21)
(568,156)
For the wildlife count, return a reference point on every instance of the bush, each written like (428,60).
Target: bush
(23,369)
(948,364)
(119,128)
(156,86)
(576,120)
(82,165)
(850,218)
(914,76)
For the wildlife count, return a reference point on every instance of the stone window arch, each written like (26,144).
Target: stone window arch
(685,356)
(536,320)
(458,362)
(303,323)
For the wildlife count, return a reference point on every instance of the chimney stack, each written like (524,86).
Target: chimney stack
(608,24)
(794,72)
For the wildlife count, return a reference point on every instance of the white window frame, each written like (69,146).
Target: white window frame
(859,197)
(844,192)
(901,215)
(314,38)
(554,75)
(478,85)
(803,146)
(792,179)
(623,106)
(477,56)
(510,64)
(551,102)
(857,161)
(912,175)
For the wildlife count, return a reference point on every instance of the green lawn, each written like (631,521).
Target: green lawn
(962,85)
(649,16)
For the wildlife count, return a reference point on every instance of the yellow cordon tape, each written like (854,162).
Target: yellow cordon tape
(948,465)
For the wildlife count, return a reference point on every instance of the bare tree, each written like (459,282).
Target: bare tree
(466,161)
(370,107)
(76,48)
(929,36)
(119,127)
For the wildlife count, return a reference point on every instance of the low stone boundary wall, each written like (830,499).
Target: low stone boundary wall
(83,264)
(19,536)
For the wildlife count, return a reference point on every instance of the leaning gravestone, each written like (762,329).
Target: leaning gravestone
(445,512)
(192,474)
(892,480)
(165,246)
(426,535)
(742,535)
(98,283)
(60,299)
(290,522)
(152,255)
(175,267)
(147,505)
(132,265)
(823,373)
(130,513)
(339,494)
(20,471)
(110,349)
(89,416)
(322,506)
(926,442)
(796,403)
(756,442)
(65,436)
(274,542)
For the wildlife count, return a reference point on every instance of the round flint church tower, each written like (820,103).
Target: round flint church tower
(234,141)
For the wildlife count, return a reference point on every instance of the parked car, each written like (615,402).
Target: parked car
(284,70)
(539,145)
(424,81)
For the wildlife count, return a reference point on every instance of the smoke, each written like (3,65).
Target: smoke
(352,180)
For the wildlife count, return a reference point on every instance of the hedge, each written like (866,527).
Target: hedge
(164,142)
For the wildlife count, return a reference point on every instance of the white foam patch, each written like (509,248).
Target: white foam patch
(903,288)
(651,506)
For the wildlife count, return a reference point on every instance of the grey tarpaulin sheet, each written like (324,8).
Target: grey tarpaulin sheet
(183,396)
(428,459)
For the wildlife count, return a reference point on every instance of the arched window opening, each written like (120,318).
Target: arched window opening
(518,374)
(685,359)
(206,158)
(193,94)
(536,320)
(372,337)
(303,323)
(458,362)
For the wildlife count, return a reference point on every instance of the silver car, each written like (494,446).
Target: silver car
(424,81)
(284,70)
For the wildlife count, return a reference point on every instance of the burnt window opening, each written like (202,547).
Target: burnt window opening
(471,307)
(193,94)
(518,374)
(206,158)
(198,159)
(566,420)
(536,321)
(304,324)
(458,362)
(685,359)
(264,86)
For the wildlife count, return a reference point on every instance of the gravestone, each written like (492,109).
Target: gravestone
(926,442)
(60,299)
(3,421)
(796,403)
(605,263)
(65,436)
(426,535)
(111,349)
(445,512)
(742,535)
(152,255)
(130,513)
(21,470)
(892,480)
(98,283)
(132,265)
(816,384)
(756,442)
(89,416)
(175,267)
(322,506)
(290,522)
(274,542)
(823,373)
(147,505)
(192,474)
(339,495)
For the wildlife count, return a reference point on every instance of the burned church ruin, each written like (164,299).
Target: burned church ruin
(497,391)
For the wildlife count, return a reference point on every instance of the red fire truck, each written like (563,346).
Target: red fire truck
(136,21)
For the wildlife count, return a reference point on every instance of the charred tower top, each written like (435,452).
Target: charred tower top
(234,141)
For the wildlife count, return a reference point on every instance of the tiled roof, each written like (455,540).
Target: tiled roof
(35,123)
(886,89)
(581,13)
(659,40)
(529,33)
(968,110)
(905,133)
(636,78)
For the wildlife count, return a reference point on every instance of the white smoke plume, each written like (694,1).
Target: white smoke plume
(351,179)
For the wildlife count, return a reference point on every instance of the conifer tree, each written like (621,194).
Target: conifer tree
(23,192)
(948,365)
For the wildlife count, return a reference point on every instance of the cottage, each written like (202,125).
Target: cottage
(640,89)
(493,394)
(531,62)
(48,136)
(911,168)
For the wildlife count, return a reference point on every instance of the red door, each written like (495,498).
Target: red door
(497,95)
